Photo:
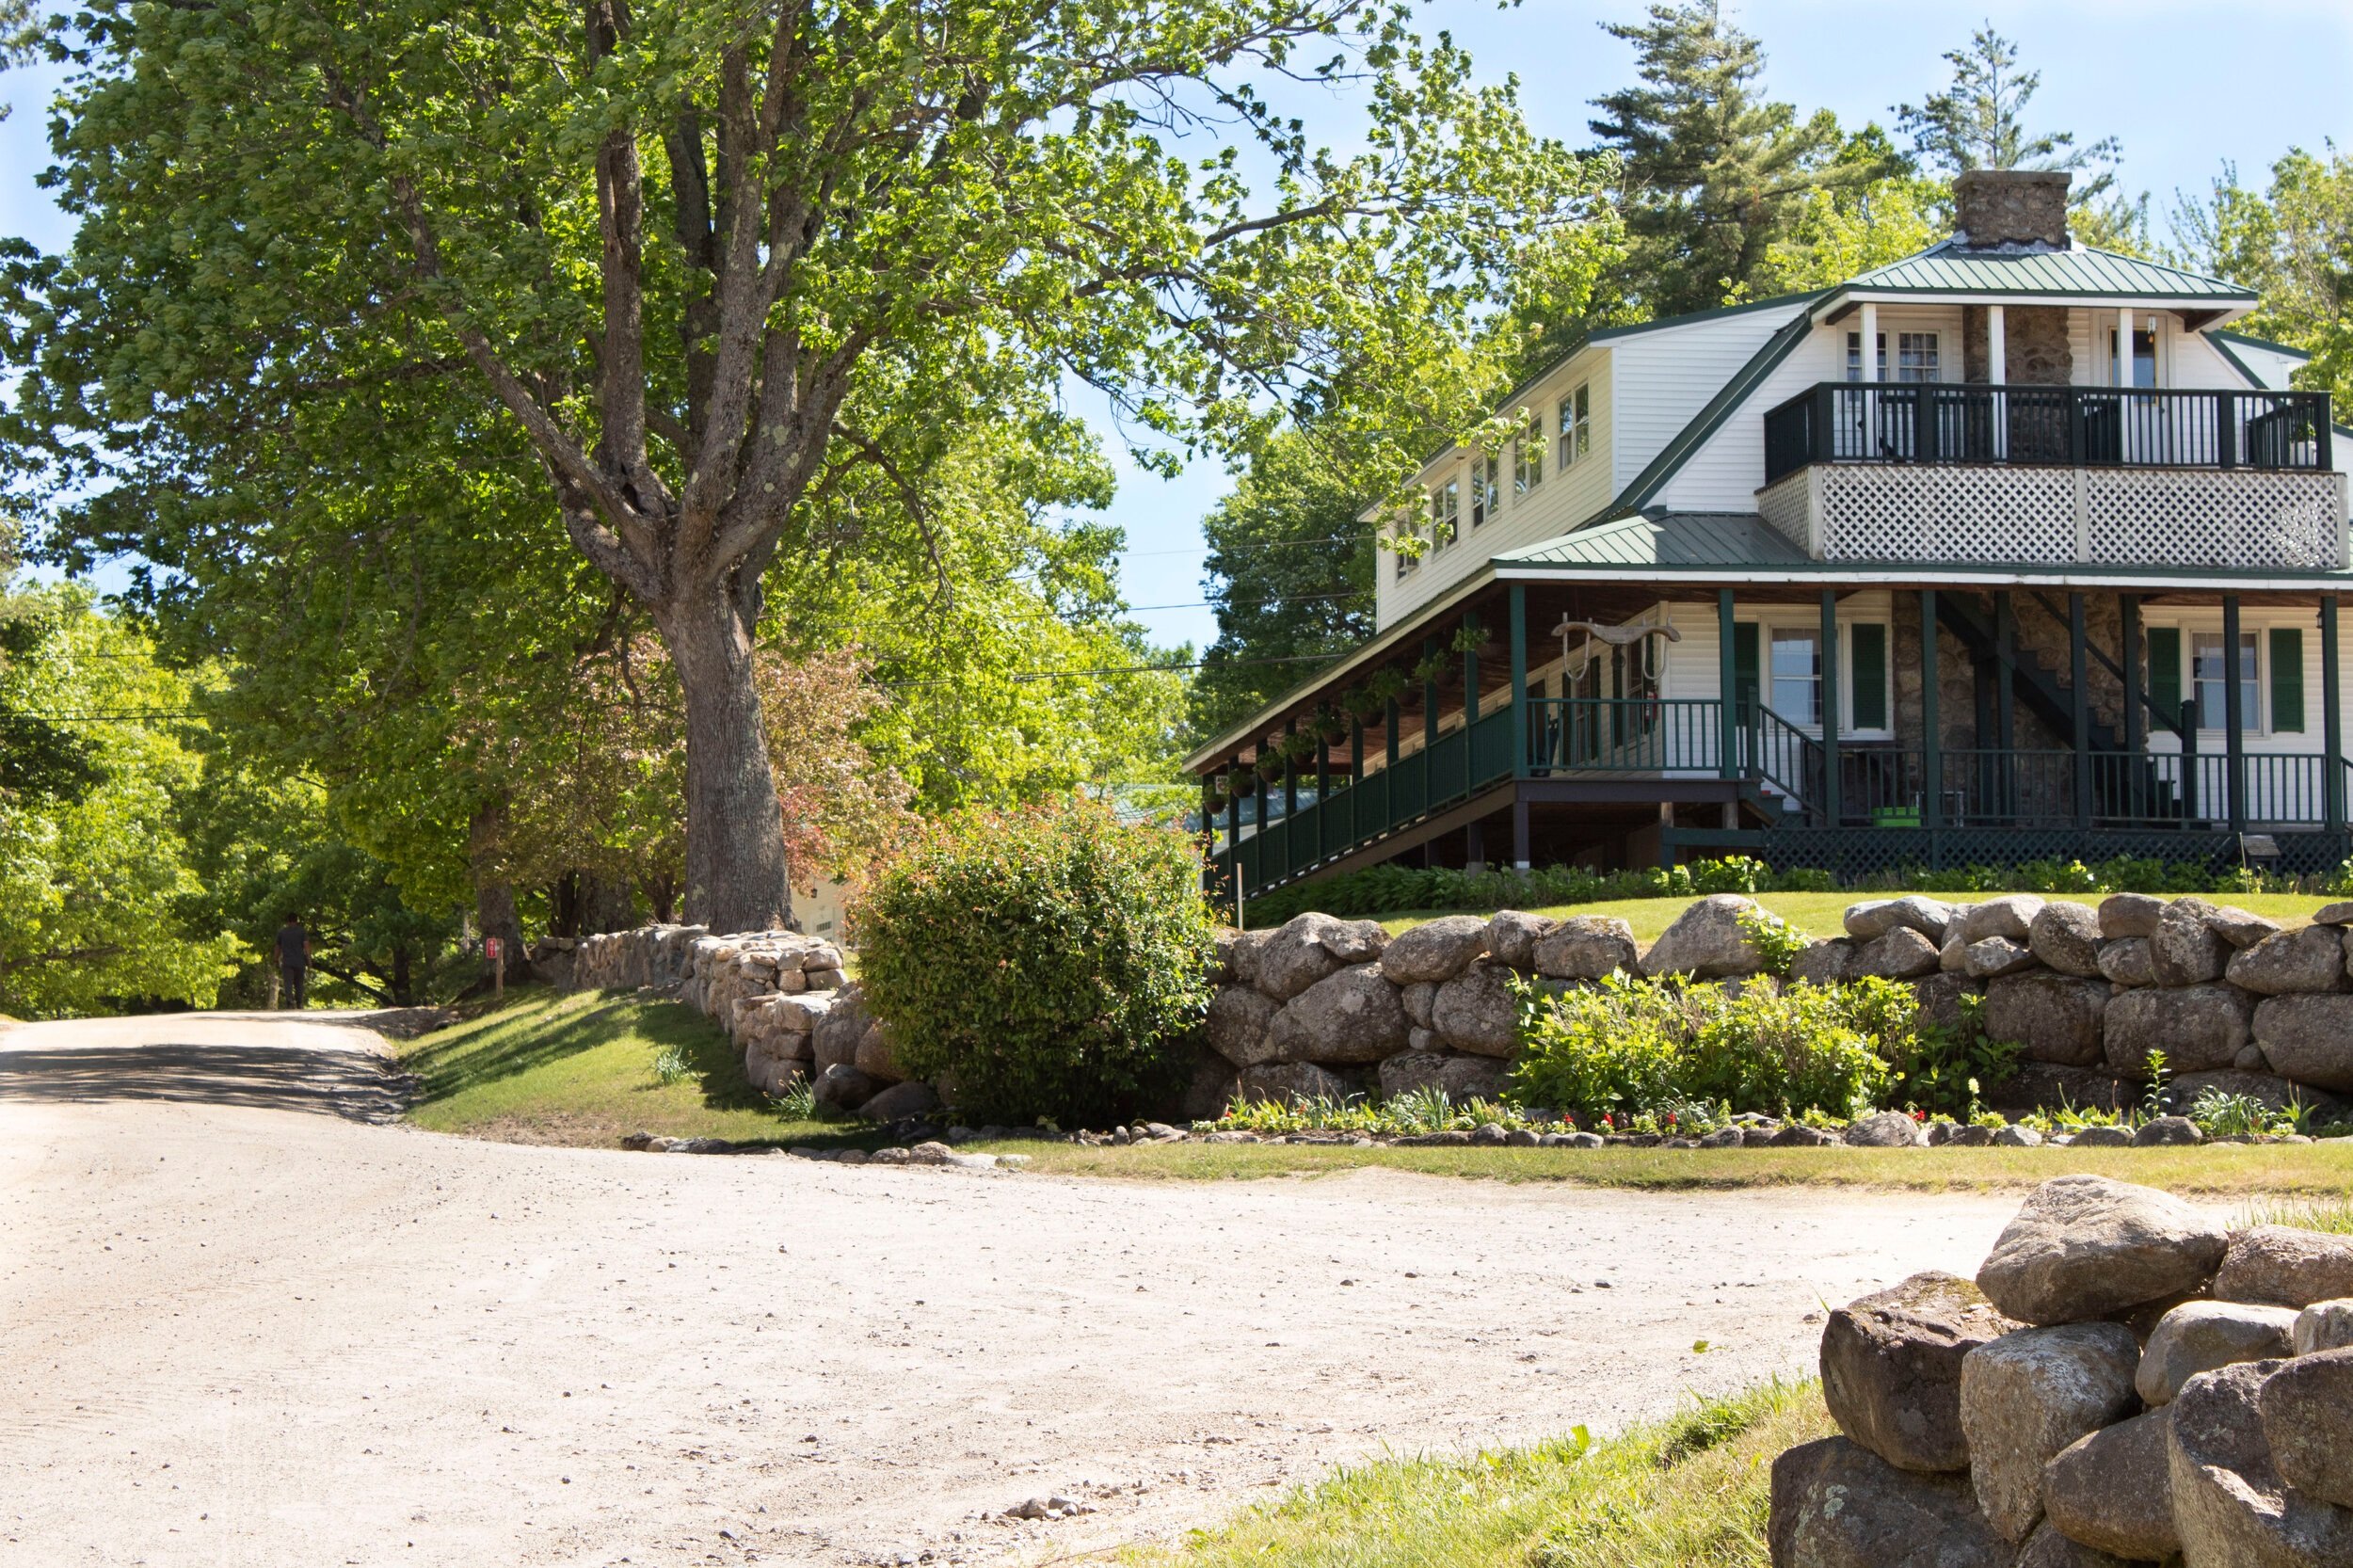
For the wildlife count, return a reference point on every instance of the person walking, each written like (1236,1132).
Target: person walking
(294,963)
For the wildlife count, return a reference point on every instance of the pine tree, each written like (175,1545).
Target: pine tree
(1714,173)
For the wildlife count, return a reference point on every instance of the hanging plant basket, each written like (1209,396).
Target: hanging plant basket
(1440,671)
(1364,704)
(1330,725)
(1468,639)
(1298,747)
(1271,764)
(1239,780)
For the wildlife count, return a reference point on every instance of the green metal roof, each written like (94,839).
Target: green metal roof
(1950,269)
(1666,540)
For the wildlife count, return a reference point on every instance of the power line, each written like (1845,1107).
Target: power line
(1232,603)
(1123,669)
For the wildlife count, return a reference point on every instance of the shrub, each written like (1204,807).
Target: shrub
(1049,962)
(1631,1047)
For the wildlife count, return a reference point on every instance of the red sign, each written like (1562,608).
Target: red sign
(490,948)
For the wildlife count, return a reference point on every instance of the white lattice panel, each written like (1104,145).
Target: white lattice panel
(1947,513)
(2163,517)
(1786,505)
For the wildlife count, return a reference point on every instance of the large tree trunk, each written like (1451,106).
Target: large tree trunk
(606,903)
(737,877)
(494,896)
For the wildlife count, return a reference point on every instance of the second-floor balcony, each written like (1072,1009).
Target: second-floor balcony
(2091,476)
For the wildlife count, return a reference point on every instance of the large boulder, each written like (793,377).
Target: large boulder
(1891,1367)
(2325,1326)
(2128,915)
(2011,918)
(1461,1079)
(2274,1091)
(1418,998)
(2241,928)
(2308,1038)
(1440,949)
(1991,957)
(1513,935)
(2282,1266)
(1837,1505)
(2126,962)
(2084,1246)
(1586,947)
(2231,1504)
(2048,1086)
(1209,1090)
(2307,1412)
(2198,1337)
(2111,1490)
(2026,1397)
(2049,1548)
(2066,937)
(1240,952)
(875,1056)
(1878,917)
(1352,1016)
(842,1087)
(1240,1022)
(1900,953)
(2339,913)
(1939,999)
(1307,948)
(899,1102)
(2058,1017)
(1290,1083)
(2288,962)
(1476,1011)
(1826,963)
(1707,940)
(1886,1129)
(2185,949)
(2199,1028)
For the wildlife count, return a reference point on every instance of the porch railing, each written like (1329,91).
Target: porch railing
(1571,735)
(1912,422)
(1986,788)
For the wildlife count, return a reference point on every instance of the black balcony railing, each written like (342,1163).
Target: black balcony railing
(1912,422)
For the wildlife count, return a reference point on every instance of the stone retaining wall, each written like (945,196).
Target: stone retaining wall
(1322,1006)
(782,1000)
(2125,1380)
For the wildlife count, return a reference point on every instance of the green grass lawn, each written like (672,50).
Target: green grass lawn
(1824,914)
(1688,1492)
(578,1068)
(2302,1170)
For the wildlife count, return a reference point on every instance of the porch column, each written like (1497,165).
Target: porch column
(1519,691)
(1428,706)
(2136,721)
(2332,719)
(1233,837)
(1470,688)
(1867,371)
(2079,690)
(1324,789)
(1831,813)
(1728,684)
(2123,352)
(1290,773)
(1931,717)
(2233,720)
(1356,752)
(2005,759)
(1997,347)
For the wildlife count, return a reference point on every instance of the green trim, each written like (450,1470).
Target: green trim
(2288,679)
(2253,342)
(1808,297)
(2231,358)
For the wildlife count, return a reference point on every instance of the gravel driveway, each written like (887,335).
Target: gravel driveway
(250,1321)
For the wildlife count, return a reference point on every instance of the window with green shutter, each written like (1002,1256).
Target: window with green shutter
(2288,679)
(1744,664)
(2165,674)
(1867,646)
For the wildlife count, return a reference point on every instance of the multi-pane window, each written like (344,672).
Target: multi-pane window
(1918,356)
(1527,457)
(1487,487)
(2209,670)
(1446,514)
(1576,425)
(1796,675)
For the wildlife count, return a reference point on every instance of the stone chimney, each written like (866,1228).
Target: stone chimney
(2011,206)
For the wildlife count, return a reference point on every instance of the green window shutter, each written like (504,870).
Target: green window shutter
(1867,643)
(2288,679)
(1744,662)
(2165,674)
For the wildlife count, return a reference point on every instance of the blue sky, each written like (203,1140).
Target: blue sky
(2187,86)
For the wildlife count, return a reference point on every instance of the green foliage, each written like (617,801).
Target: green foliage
(93,882)
(1777,942)
(2120,874)
(1939,1068)
(2226,1116)
(2153,1095)
(1387,889)
(1422,1111)
(671,1065)
(1049,962)
(2292,242)
(1629,1047)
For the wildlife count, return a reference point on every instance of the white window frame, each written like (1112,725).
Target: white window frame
(1527,458)
(1576,425)
(1487,487)
(2256,719)
(1767,622)
(1446,514)
(1851,354)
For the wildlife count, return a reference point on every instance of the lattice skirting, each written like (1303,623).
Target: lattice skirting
(1854,853)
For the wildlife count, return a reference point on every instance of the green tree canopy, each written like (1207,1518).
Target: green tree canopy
(2291,241)
(694,252)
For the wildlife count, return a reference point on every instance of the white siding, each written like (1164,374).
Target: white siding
(1664,378)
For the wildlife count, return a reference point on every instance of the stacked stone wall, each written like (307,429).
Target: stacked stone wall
(2126,1379)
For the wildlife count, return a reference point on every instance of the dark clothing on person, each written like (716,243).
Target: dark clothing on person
(294,965)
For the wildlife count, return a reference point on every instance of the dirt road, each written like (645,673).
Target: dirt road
(250,1322)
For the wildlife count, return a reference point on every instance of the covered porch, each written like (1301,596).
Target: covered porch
(1820,716)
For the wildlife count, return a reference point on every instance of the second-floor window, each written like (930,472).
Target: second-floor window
(1446,514)
(1576,425)
(1527,457)
(1487,487)
(1919,357)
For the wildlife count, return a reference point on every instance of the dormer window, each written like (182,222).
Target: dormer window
(1487,487)
(1446,514)
(1576,425)
(1527,457)
(1918,356)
